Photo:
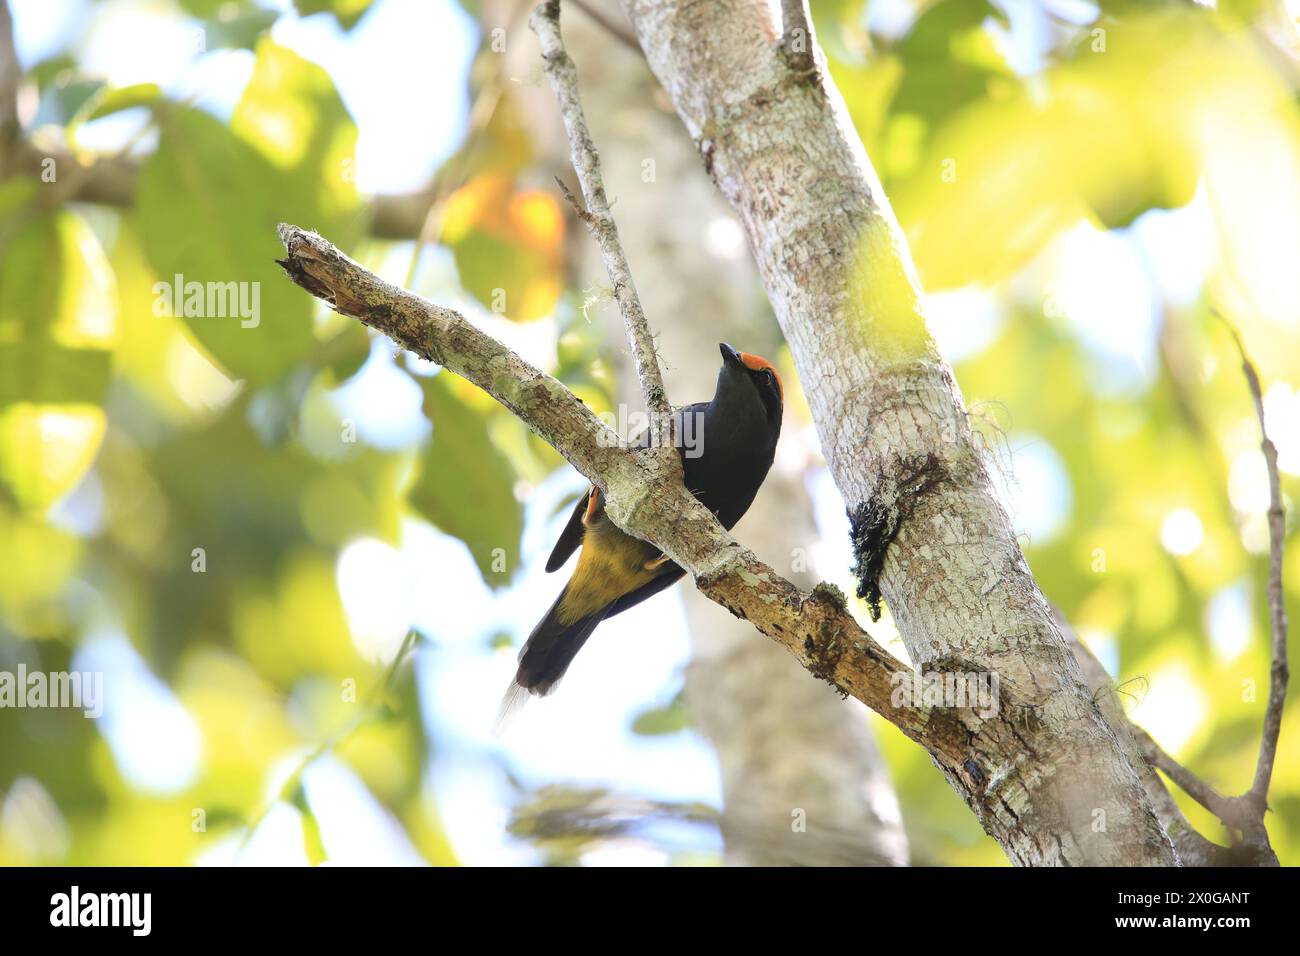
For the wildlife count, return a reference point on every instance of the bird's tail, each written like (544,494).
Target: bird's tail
(546,655)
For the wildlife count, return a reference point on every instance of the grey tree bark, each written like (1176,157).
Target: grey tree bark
(780,146)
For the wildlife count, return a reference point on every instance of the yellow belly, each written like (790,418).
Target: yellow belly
(610,565)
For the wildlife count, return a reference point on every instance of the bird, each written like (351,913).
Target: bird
(727,446)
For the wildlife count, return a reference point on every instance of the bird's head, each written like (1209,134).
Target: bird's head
(746,377)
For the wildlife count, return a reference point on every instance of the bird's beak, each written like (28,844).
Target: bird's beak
(729,355)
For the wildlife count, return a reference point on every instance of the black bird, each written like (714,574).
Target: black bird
(727,448)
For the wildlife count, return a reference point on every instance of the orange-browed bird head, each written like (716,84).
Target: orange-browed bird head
(758,371)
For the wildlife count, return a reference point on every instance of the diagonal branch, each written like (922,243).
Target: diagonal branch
(444,336)
(1246,812)
(1199,790)
(563,75)
(369,712)
(611,26)
(112,181)
(648,500)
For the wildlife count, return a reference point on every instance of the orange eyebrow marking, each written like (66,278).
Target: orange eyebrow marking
(758,363)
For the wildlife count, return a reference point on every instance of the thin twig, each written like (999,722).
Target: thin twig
(563,75)
(610,25)
(1279,672)
(1245,813)
(1217,803)
(369,711)
(113,182)
(1241,813)
(797,39)
(572,200)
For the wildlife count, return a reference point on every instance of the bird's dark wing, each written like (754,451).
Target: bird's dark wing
(570,537)
(671,575)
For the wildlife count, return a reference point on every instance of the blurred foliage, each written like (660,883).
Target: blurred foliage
(56,296)
(670,718)
(346,12)
(495,231)
(177,489)
(570,823)
(465,485)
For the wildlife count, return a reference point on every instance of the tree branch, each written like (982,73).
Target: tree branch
(1193,848)
(444,336)
(765,764)
(646,500)
(1279,672)
(112,181)
(563,75)
(1244,813)
(1192,785)
(11,78)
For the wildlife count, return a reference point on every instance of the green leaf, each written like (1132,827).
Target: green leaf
(50,71)
(1093,137)
(949,60)
(210,199)
(57,323)
(61,102)
(203,9)
(208,205)
(230,24)
(292,114)
(312,843)
(346,12)
(50,374)
(125,98)
(466,485)
(106,101)
(348,352)
(57,314)
(672,718)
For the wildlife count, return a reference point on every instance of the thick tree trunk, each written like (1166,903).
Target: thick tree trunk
(803,779)
(781,148)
